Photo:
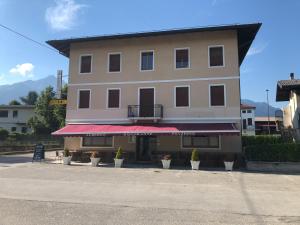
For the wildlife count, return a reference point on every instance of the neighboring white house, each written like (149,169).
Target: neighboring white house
(14,118)
(288,90)
(248,119)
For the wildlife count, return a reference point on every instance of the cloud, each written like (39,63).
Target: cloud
(63,15)
(257,49)
(24,70)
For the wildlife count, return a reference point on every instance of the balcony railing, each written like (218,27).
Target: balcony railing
(145,111)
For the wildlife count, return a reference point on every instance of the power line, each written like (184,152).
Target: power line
(26,37)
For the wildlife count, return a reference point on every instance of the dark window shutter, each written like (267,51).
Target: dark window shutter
(250,122)
(217,97)
(84,99)
(244,124)
(182,96)
(86,64)
(216,56)
(114,63)
(113,98)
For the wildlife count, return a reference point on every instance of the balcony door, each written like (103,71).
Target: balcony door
(146,102)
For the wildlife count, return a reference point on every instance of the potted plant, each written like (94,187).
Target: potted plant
(67,157)
(95,159)
(195,162)
(229,161)
(118,159)
(166,161)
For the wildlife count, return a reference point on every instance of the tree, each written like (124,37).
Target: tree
(30,99)
(3,134)
(60,110)
(48,118)
(14,102)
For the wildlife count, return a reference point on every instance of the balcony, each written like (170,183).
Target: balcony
(145,112)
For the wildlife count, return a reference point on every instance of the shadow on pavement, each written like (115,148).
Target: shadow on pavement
(15,159)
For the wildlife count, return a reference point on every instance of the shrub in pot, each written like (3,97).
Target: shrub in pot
(95,159)
(229,161)
(118,159)
(195,162)
(166,161)
(67,157)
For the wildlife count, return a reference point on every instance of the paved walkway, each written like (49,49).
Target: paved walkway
(42,193)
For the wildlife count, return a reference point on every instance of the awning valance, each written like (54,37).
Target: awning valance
(168,129)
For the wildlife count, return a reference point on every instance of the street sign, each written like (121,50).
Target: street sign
(58,102)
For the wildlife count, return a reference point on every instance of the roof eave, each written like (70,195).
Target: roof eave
(246,35)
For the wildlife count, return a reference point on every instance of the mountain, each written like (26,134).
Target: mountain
(17,90)
(261,107)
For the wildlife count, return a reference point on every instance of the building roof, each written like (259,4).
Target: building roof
(246,34)
(244,106)
(17,106)
(284,87)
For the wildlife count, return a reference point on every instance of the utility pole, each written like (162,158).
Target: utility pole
(59,84)
(267,90)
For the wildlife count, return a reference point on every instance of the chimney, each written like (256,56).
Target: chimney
(292,76)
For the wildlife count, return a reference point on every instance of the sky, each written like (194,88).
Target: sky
(274,54)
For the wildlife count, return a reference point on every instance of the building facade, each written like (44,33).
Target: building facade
(156,93)
(14,118)
(248,119)
(289,91)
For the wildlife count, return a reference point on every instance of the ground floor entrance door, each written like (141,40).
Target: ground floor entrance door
(144,147)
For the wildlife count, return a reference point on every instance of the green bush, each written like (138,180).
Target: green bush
(261,140)
(283,152)
(119,153)
(3,134)
(195,155)
(67,153)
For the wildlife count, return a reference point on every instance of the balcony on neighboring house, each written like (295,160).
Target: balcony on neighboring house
(145,112)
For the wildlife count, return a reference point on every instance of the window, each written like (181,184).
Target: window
(13,129)
(200,141)
(147,60)
(24,130)
(182,96)
(15,113)
(216,56)
(84,99)
(244,111)
(3,113)
(106,141)
(132,139)
(113,100)
(250,123)
(86,64)
(217,95)
(114,62)
(244,124)
(182,58)
(249,111)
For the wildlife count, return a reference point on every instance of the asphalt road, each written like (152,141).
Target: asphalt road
(43,193)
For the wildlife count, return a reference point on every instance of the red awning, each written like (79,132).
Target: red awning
(169,129)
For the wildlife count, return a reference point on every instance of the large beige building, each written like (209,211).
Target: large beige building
(154,93)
